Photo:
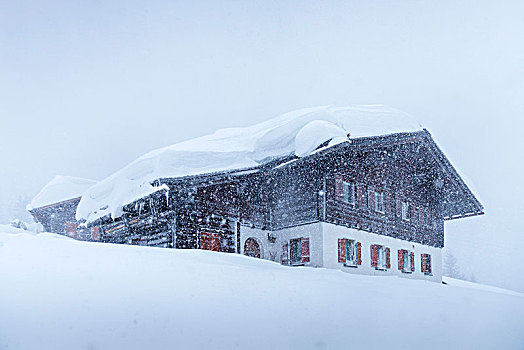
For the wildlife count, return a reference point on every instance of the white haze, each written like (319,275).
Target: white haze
(87,87)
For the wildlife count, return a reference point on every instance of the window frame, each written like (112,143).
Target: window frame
(426,257)
(292,256)
(349,192)
(382,263)
(407,263)
(380,202)
(351,248)
(405,210)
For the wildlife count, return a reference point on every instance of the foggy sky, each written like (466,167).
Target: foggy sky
(88,86)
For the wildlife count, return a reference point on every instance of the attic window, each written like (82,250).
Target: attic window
(350,192)
(405,211)
(379,202)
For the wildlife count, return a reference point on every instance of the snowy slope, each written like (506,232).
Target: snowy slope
(59,293)
(59,189)
(299,132)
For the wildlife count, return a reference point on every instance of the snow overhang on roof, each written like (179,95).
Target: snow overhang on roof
(60,189)
(297,133)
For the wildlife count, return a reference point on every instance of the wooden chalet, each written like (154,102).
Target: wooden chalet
(399,187)
(369,205)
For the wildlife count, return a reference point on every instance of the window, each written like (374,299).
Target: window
(406,261)
(297,250)
(365,197)
(427,217)
(379,202)
(349,192)
(426,264)
(405,211)
(380,257)
(349,252)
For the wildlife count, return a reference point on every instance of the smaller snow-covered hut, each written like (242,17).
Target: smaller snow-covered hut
(55,205)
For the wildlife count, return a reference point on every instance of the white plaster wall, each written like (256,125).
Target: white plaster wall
(331,233)
(323,248)
(273,251)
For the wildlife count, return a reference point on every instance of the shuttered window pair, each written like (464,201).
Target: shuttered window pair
(349,252)
(406,261)
(380,257)
(296,252)
(425,264)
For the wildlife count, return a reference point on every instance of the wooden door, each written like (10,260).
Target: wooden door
(210,241)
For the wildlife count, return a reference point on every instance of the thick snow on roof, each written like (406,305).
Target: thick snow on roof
(60,189)
(295,133)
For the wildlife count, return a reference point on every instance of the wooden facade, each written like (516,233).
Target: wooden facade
(207,211)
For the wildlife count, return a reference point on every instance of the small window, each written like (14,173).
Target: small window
(350,192)
(405,211)
(349,252)
(406,261)
(426,264)
(379,202)
(427,217)
(295,251)
(298,251)
(380,257)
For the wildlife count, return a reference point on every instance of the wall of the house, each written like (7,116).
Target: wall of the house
(331,233)
(273,251)
(323,238)
(401,172)
(294,196)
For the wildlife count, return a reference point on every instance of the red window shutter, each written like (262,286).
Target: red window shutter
(342,250)
(359,253)
(388,258)
(305,249)
(371,198)
(423,263)
(339,187)
(401,259)
(285,250)
(374,255)
(412,256)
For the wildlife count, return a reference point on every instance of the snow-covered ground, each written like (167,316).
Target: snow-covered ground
(57,293)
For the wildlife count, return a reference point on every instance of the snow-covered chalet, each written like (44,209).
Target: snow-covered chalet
(364,189)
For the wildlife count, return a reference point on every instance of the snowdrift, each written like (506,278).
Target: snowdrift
(64,294)
(295,133)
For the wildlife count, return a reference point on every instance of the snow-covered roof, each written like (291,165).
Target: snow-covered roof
(295,133)
(59,189)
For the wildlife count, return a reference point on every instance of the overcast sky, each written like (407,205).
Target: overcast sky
(88,86)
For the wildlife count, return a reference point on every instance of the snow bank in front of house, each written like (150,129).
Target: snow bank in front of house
(59,189)
(295,133)
(66,294)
